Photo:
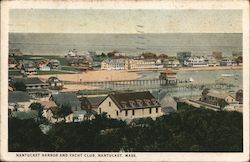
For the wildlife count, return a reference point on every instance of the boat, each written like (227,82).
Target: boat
(227,75)
(191,79)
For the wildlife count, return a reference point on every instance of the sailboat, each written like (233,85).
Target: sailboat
(191,79)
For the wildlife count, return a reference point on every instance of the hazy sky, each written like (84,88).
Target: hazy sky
(125,21)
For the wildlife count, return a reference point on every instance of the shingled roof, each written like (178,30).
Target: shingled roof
(30,80)
(219,95)
(18,96)
(135,100)
(67,99)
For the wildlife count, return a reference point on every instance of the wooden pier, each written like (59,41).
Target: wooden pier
(153,84)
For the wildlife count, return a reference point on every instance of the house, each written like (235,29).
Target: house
(67,99)
(72,53)
(54,64)
(82,63)
(239,96)
(170,76)
(79,116)
(91,103)
(19,101)
(130,105)
(228,62)
(32,83)
(75,116)
(55,83)
(143,64)
(115,64)
(35,87)
(44,68)
(172,63)
(218,98)
(211,61)
(195,61)
(28,68)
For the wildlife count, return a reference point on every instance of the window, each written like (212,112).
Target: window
(156,110)
(126,113)
(150,110)
(109,104)
(117,113)
(100,110)
(133,112)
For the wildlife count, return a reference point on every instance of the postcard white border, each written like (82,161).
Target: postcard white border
(68,4)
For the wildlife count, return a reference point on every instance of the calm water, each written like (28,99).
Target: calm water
(201,77)
(58,44)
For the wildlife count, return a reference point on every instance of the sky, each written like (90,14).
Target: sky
(124,21)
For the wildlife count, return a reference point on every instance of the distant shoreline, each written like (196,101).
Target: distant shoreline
(193,69)
(210,68)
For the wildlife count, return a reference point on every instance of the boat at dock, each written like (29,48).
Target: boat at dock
(227,75)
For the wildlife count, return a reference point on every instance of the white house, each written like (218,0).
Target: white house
(130,106)
(195,61)
(114,64)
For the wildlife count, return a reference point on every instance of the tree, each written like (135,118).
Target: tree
(39,108)
(65,110)
(20,86)
(222,104)
(25,135)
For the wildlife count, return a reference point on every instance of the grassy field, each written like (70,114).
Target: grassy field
(63,61)
(51,72)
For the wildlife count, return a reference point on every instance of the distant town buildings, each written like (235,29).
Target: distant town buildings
(115,64)
(228,62)
(130,106)
(28,68)
(172,63)
(82,63)
(130,64)
(195,61)
(182,56)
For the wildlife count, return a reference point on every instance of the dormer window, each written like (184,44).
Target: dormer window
(154,101)
(132,103)
(148,103)
(139,102)
(124,104)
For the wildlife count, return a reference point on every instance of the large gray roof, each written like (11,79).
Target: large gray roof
(135,100)
(67,99)
(30,80)
(18,96)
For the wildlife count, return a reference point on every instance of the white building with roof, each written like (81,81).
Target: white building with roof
(130,106)
(196,61)
(114,64)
